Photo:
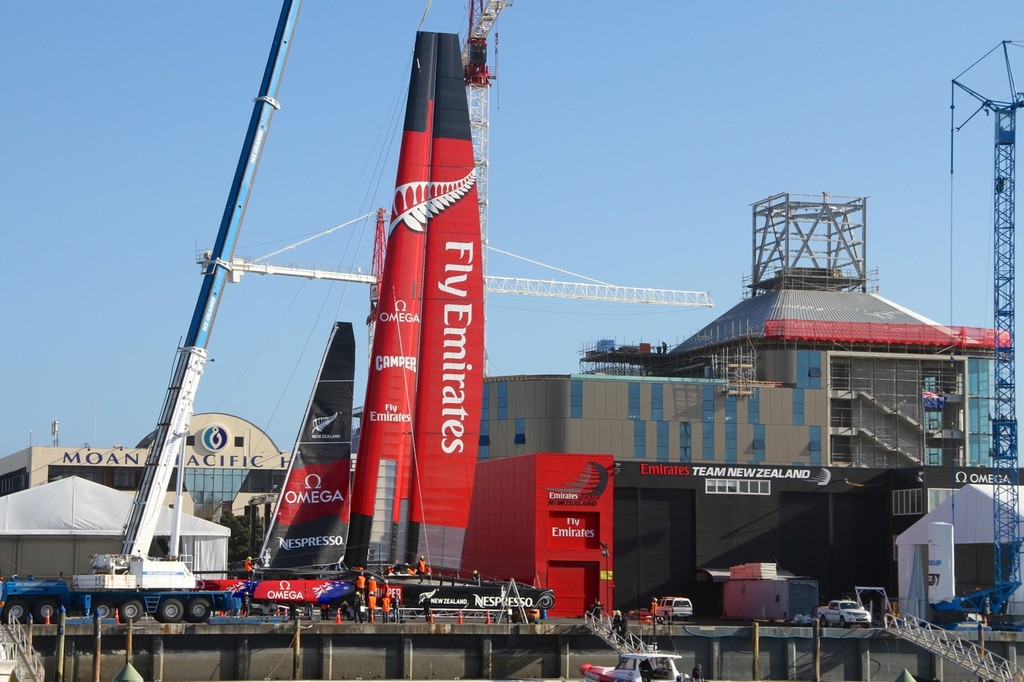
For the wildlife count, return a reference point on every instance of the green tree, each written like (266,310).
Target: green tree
(238,544)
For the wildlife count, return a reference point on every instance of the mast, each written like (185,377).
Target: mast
(309,524)
(450,388)
(385,437)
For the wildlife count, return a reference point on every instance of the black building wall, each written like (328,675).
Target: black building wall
(654,544)
(668,528)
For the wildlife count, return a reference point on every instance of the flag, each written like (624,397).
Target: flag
(933,401)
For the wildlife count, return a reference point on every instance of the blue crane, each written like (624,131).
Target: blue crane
(172,426)
(1006,528)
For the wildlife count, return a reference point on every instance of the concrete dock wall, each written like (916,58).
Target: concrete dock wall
(348,651)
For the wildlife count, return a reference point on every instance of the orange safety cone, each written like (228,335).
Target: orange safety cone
(430,617)
(337,618)
(487,617)
(117,616)
(47,622)
(460,615)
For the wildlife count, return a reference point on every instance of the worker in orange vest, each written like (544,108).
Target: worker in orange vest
(385,604)
(371,604)
(371,586)
(361,583)
(421,566)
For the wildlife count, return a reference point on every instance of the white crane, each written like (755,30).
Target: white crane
(590,291)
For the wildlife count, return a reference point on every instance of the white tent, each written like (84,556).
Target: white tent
(969,510)
(54,528)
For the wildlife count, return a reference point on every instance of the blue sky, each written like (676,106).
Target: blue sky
(628,141)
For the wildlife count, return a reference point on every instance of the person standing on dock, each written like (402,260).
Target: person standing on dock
(385,604)
(371,587)
(697,674)
(618,624)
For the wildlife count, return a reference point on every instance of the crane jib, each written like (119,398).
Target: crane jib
(177,408)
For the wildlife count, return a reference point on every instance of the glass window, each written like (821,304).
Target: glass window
(737,486)
(634,402)
(685,442)
(662,428)
(502,400)
(657,393)
(640,439)
(906,502)
(707,407)
(708,441)
(576,399)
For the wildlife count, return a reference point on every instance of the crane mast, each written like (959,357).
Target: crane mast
(1006,474)
(482,15)
(173,424)
(1004,419)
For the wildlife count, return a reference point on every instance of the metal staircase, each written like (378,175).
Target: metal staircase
(947,644)
(15,646)
(627,643)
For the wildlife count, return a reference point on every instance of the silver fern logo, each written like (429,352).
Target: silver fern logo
(417,202)
(321,423)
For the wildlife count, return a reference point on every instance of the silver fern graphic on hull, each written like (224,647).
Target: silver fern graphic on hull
(417,202)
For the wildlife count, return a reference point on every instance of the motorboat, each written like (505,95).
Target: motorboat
(640,667)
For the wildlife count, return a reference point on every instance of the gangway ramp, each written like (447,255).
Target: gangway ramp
(626,643)
(969,656)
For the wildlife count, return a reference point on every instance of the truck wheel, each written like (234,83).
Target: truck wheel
(103,609)
(824,622)
(16,609)
(132,610)
(198,610)
(170,611)
(842,622)
(45,608)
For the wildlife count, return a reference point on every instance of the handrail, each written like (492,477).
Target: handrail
(28,664)
(624,642)
(950,646)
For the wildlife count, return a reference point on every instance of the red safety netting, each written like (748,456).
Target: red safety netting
(885,332)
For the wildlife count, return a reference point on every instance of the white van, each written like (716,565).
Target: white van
(674,608)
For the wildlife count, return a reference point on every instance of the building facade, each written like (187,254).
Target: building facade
(228,461)
(807,425)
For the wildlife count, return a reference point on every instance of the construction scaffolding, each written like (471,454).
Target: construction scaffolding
(880,416)
(807,242)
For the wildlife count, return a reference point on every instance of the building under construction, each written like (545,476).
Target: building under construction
(807,425)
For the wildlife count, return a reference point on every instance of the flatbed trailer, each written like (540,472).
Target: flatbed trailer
(43,599)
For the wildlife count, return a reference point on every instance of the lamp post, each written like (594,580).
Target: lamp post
(607,577)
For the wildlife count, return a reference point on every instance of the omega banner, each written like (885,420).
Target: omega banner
(309,524)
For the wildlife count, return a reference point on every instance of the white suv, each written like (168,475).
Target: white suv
(674,608)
